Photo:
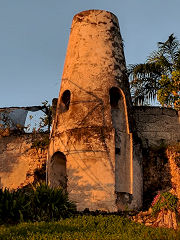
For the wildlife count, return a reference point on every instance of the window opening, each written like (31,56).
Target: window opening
(65,100)
(114,97)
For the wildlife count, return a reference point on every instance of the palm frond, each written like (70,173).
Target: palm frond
(161,61)
(144,82)
(145,78)
(169,48)
(171,45)
(177,61)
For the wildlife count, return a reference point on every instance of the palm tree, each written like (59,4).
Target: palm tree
(159,76)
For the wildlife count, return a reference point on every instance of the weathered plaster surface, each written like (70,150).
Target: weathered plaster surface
(83,130)
(18,160)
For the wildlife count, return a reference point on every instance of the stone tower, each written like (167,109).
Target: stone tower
(91,151)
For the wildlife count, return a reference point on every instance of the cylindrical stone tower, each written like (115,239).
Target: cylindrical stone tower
(91,149)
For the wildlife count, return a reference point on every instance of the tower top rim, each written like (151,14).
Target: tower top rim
(87,12)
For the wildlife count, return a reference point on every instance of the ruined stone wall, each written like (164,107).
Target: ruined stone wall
(156,173)
(19,160)
(156,126)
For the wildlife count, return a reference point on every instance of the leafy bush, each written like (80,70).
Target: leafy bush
(40,203)
(50,204)
(164,200)
(13,206)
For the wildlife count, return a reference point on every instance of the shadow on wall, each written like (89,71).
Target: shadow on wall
(83,118)
(85,195)
(83,186)
(8,163)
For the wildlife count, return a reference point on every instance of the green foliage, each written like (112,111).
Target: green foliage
(174,151)
(13,206)
(87,227)
(159,76)
(6,122)
(40,141)
(50,204)
(47,119)
(40,174)
(164,201)
(7,126)
(40,203)
(168,94)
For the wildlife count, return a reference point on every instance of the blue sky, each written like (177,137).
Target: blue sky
(34,38)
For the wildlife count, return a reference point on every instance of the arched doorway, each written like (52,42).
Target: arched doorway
(123,147)
(57,173)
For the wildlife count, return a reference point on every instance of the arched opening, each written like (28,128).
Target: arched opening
(58,175)
(114,97)
(118,113)
(65,100)
(123,170)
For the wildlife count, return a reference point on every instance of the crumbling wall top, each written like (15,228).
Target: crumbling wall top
(15,117)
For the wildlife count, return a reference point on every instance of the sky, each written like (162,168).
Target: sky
(34,36)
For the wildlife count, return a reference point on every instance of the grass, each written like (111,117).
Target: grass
(86,227)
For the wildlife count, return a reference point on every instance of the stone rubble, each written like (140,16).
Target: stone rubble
(165,218)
